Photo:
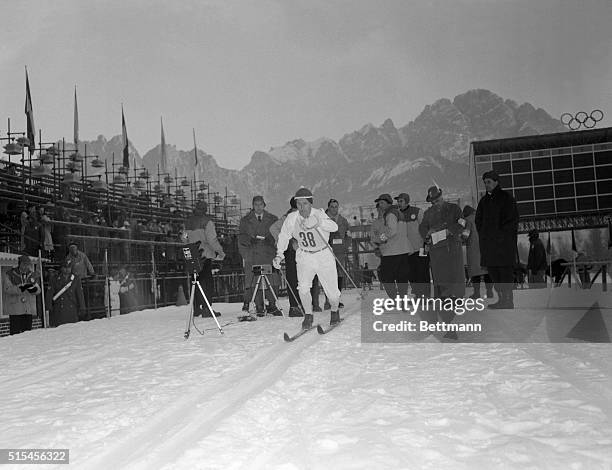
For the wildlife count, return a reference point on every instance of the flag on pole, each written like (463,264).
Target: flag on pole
(126,154)
(29,112)
(162,160)
(195,149)
(76,122)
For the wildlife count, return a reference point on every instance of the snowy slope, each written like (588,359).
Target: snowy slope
(130,392)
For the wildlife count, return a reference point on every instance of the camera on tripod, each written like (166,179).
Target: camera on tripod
(259,269)
(191,255)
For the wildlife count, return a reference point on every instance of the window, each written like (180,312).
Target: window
(564,190)
(524,194)
(502,167)
(584,174)
(562,161)
(583,159)
(521,166)
(564,176)
(522,180)
(525,208)
(603,158)
(604,172)
(544,177)
(586,203)
(605,202)
(541,164)
(545,207)
(604,187)
(585,189)
(544,192)
(566,205)
(505,181)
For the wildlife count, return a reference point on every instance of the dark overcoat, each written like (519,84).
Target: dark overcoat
(65,308)
(446,257)
(497,224)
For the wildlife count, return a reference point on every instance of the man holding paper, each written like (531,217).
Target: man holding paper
(441,228)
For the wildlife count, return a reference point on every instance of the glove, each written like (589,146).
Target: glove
(22,287)
(26,286)
(383,237)
(276,262)
(32,289)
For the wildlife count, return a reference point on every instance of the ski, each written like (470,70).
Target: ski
(289,339)
(323,331)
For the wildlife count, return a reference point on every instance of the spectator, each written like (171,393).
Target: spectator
(497,224)
(418,259)
(257,247)
(367,277)
(20,287)
(65,302)
(339,242)
(128,298)
(199,228)
(472,251)
(394,249)
(80,264)
(376,229)
(47,228)
(441,229)
(536,261)
(33,233)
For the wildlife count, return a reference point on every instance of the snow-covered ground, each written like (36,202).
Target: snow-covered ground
(131,392)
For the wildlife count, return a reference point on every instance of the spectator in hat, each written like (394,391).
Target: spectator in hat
(476,272)
(441,228)
(257,247)
(65,302)
(20,286)
(497,224)
(128,297)
(536,261)
(81,266)
(418,259)
(199,228)
(394,249)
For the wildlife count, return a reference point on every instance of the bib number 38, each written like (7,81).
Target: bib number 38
(307,239)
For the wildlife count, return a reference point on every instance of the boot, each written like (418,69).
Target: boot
(326,306)
(274,310)
(335,318)
(476,294)
(307,323)
(295,312)
(316,308)
(245,307)
(500,303)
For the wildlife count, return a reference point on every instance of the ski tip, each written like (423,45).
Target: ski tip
(287,338)
(320,330)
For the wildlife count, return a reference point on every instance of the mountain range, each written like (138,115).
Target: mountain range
(365,162)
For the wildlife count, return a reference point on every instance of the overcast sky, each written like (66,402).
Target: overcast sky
(248,75)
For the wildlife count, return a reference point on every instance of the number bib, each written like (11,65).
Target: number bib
(310,240)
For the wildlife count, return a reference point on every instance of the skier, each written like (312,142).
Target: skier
(311,228)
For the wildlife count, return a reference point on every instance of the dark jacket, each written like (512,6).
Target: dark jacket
(66,307)
(255,242)
(497,224)
(537,256)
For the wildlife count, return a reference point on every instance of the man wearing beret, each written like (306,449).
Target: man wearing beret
(20,286)
(497,224)
(258,247)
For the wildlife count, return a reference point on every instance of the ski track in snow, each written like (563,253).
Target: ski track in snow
(131,393)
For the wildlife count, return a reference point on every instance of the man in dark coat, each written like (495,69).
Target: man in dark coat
(339,243)
(497,224)
(65,298)
(257,247)
(441,229)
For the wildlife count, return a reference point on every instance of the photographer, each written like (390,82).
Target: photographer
(199,228)
(257,247)
(20,286)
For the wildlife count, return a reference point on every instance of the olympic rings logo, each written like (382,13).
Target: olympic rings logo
(582,119)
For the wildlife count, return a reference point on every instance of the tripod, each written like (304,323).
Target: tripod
(196,283)
(260,284)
